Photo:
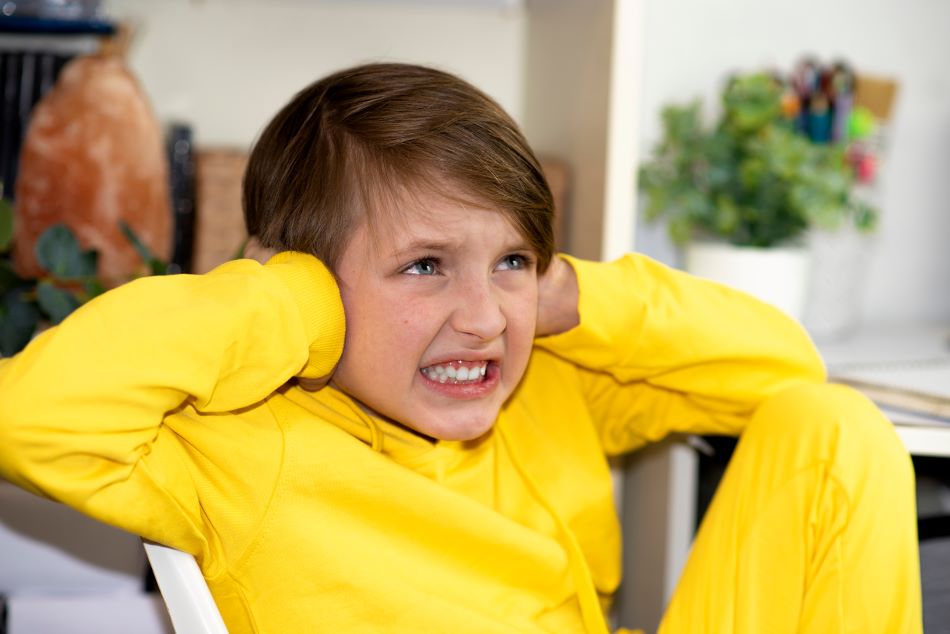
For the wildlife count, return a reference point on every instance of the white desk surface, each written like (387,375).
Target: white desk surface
(925,441)
(899,347)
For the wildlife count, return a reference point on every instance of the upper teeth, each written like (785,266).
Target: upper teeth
(456,372)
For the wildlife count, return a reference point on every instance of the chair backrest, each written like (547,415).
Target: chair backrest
(190,604)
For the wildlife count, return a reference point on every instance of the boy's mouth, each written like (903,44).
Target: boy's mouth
(457,372)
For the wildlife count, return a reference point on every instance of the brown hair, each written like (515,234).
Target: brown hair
(367,134)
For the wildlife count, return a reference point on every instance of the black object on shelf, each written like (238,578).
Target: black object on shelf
(55,26)
(25,76)
(181,164)
(711,469)
(933,524)
(933,527)
(9,119)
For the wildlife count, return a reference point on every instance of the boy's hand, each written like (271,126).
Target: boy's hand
(557,299)
(255,251)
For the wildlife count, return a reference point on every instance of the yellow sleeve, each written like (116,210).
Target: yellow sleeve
(86,409)
(661,351)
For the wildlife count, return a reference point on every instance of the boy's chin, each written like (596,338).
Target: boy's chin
(438,424)
(458,430)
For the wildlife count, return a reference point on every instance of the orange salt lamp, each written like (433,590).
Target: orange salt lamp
(94,154)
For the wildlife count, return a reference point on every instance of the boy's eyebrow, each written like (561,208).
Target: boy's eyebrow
(427,244)
(441,246)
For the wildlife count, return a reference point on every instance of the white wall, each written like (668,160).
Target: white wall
(567,61)
(227,66)
(690,45)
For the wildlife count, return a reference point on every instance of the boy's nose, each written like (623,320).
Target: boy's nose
(478,311)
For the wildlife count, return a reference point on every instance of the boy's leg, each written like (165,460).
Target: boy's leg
(813,528)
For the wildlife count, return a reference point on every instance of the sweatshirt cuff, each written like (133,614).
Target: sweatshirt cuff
(610,310)
(317,295)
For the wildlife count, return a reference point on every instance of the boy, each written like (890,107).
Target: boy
(360,431)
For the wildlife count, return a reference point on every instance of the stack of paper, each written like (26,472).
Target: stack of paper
(906,372)
(921,389)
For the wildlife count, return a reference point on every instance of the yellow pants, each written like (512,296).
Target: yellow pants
(813,528)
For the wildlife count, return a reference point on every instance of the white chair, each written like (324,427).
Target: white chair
(190,604)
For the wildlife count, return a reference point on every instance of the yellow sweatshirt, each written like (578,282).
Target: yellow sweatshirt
(163,408)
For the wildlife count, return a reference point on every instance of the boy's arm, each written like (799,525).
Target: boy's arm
(82,407)
(663,351)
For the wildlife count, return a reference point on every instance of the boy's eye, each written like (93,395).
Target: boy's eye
(514,262)
(425,266)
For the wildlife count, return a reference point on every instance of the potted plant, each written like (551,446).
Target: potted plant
(70,279)
(741,194)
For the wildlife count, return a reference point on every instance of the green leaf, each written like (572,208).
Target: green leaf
(93,288)
(6,225)
(155,265)
(18,320)
(8,278)
(139,246)
(681,230)
(55,302)
(59,253)
(865,217)
(240,250)
(751,102)
(726,217)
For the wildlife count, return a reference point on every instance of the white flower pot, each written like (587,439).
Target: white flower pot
(777,275)
(838,273)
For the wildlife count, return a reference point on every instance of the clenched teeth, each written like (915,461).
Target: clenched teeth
(456,372)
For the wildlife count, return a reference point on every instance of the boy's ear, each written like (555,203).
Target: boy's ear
(254,250)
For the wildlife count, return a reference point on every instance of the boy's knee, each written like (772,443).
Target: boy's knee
(820,407)
(838,420)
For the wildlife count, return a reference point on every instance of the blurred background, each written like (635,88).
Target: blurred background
(224,67)
(227,66)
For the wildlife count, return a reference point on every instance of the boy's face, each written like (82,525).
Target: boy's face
(441,304)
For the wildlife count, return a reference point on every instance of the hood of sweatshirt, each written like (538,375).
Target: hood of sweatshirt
(429,457)
(467,467)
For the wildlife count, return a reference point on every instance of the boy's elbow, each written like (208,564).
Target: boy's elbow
(9,419)
(15,435)
(816,364)
(813,366)
(805,359)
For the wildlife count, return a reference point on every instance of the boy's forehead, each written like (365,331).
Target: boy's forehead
(428,220)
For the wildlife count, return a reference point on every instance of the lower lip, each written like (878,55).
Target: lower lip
(466,391)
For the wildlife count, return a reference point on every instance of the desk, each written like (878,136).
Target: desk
(659,483)
(925,441)
(916,358)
